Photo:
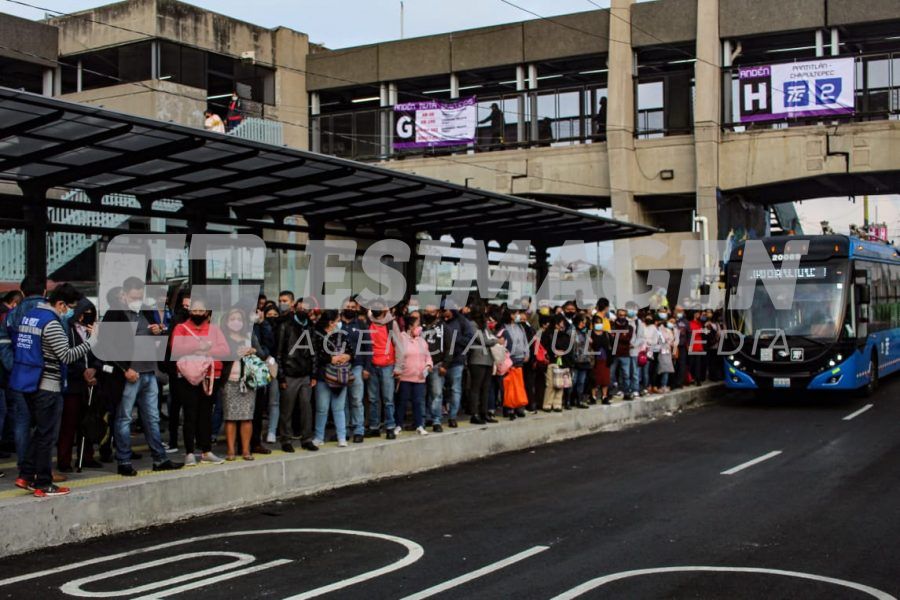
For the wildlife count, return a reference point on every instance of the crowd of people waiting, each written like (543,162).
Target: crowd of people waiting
(284,371)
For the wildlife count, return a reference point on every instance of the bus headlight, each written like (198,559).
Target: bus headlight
(831,363)
(839,358)
(737,363)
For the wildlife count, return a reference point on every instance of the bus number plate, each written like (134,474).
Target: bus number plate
(782,382)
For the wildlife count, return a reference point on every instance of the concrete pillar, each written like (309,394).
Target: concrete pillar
(835,42)
(620,111)
(35,212)
(384,102)
(315,125)
(707,108)
(78,77)
(820,43)
(47,88)
(520,104)
(532,85)
(454,85)
(154,60)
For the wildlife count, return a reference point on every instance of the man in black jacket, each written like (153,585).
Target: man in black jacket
(296,376)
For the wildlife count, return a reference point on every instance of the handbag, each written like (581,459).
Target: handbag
(562,377)
(642,358)
(502,359)
(337,376)
(197,369)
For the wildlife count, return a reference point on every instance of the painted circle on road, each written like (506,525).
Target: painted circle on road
(601,581)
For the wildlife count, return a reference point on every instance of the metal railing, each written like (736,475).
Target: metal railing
(260,130)
(63,246)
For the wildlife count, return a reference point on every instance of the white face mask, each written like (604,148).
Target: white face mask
(135,305)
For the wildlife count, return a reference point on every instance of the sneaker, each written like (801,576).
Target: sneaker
(210,458)
(2,474)
(397,430)
(318,443)
(24,484)
(309,446)
(391,435)
(190,460)
(50,491)
(358,438)
(452,424)
(270,438)
(372,433)
(619,394)
(168,465)
(421,431)
(287,447)
(437,428)
(170,449)
(126,471)
(342,443)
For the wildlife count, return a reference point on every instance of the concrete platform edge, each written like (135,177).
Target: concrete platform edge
(128,505)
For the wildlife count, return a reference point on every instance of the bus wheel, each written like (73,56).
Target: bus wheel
(872,385)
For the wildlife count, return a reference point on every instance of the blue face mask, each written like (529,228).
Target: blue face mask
(679,316)
(670,325)
(632,313)
(69,314)
(703,319)
(339,326)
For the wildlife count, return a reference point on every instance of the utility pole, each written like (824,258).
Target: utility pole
(401,19)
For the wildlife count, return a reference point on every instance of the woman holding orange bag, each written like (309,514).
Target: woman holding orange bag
(515,399)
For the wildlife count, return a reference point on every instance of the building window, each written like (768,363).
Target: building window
(183,65)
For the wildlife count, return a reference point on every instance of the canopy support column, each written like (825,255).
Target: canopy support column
(35,212)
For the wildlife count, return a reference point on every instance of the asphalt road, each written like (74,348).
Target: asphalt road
(820,519)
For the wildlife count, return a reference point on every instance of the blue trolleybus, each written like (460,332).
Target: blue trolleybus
(841,329)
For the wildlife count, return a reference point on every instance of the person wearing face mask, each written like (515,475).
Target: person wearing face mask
(649,344)
(297,366)
(434,334)
(633,315)
(333,353)
(714,366)
(683,331)
(198,337)
(481,365)
(141,387)
(558,345)
(411,370)
(515,392)
(42,352)
(600,347)
(622,338)
(667,345)
(353,329)
(697,353)
(285,303)
(381,336)
(238,400)
(581,363)
(33,289)
(235,113)
(81,375)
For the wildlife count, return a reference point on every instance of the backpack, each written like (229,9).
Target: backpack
(197,369)
(256,372)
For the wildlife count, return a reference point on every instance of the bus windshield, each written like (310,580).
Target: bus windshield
(816,312)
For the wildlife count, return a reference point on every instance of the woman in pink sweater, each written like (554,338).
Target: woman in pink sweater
(412,368)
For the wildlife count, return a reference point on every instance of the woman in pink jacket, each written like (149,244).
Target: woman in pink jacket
(412,368)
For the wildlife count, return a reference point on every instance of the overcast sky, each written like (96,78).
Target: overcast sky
(342,23)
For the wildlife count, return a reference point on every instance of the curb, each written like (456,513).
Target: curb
(131,504)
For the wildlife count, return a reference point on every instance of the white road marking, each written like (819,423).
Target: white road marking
(859,412)
(73,588)
(413,553)
(211,580)
(595,583)
(443,587)
(750,463)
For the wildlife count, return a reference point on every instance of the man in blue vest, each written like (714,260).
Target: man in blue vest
(42,352)
(34,289)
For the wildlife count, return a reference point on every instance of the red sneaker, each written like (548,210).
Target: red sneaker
(24,484)
(50,491)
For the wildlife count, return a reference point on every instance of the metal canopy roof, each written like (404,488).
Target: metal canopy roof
(47,142)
